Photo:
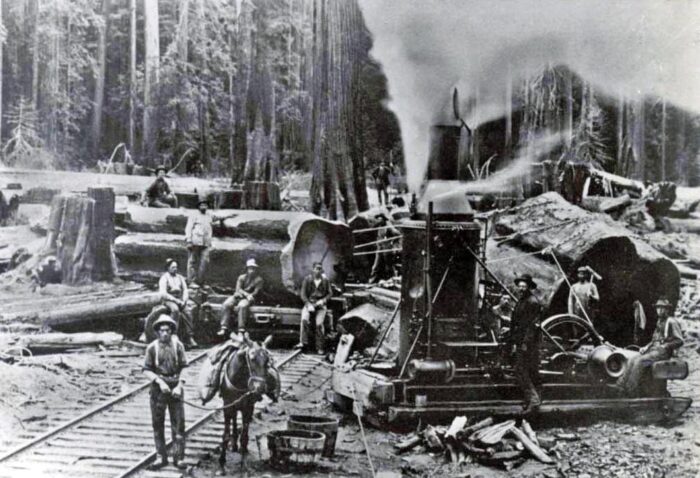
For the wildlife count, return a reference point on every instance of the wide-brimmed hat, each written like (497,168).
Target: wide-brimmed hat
(203,200)
(663,302)
(251,263)
(165,319)
(161,167)
(527,278)
(583,269)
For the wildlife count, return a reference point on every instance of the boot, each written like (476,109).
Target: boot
(179,465)
(162,462)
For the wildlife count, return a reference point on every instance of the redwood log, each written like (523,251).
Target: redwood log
(630,269)
(57,342)
(106,309)
(144,255)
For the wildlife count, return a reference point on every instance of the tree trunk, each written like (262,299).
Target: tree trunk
(35,57)
(132,74)
(98,98)
(151,79)
(262,195)
(663,139)
(2,47)
(630,269)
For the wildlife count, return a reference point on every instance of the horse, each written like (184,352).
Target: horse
(248,375)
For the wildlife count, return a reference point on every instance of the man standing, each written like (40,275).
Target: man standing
(175,295)
(248,286)
(525,336)
(583,295)
(383,266)
(165,359)
(198,234)
(315,292)
(667,338)
(158,193)
(381,181)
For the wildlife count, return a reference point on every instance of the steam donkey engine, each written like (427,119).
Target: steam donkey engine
(450,362)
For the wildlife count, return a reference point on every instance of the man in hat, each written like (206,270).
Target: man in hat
(315,292)
(158,193)
(583,295)
(165,359)
(198,234)
(174,294)
(381,181)
(383,266)
(248,287)
(525,336)
(666,339)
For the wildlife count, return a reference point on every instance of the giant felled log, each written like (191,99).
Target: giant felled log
(59,342)
(81,231)
(630,269)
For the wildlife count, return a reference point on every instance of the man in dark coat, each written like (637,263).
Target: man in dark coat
(158,193)
(165,359)
(315,292)
(248,287)
(525,337)
(381,181)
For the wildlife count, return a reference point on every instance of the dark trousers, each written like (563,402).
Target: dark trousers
(197,262)
(382,190)
(527,373)
(176,408)
(637,379)
(241,306)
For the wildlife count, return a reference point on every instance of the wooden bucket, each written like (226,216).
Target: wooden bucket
(294,447)
(326,425)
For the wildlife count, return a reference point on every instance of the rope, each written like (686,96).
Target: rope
(370,229)
(230,405)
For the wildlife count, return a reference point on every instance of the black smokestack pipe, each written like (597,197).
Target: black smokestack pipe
(443,159)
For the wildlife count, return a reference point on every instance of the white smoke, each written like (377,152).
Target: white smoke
(426,47)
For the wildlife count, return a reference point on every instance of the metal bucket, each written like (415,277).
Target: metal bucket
(326,425)
(294,447)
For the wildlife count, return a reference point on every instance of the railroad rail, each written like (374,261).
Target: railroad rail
(115,438)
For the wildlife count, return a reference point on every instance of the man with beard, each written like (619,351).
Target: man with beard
(525,337)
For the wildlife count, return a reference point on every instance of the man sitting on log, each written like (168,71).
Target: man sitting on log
(667,338)
(248,287)
(165,359)
(583,295)
(525,337)
(315,292)
(198,234)
(158,193)
(174,295)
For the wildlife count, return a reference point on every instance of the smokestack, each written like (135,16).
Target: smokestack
(443,159)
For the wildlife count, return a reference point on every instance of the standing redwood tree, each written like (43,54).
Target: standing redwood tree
(151,78)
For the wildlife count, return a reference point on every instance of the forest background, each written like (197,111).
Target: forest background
(259,89)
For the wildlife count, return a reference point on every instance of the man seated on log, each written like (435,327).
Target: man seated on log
(158,193)
(525,337)
(165,359)
(248,287)
(175,296)
(583,295)
(315,292)
(198,234)
(667,338)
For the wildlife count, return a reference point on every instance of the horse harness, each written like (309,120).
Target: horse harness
(252,379)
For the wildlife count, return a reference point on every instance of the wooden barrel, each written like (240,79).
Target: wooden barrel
(326,425)
(294,447)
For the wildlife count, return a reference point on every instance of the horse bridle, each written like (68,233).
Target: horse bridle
(252,378)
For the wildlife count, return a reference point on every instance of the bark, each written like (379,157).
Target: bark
(132,74)
(35,56)
(151,78)
(630,269)
(98,98)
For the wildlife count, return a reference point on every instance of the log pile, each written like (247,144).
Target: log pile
(497,444)
(528,238)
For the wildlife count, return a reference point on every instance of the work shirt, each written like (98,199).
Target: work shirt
(166,360)
(198,231)
(251,284)
(158,189)
(587,294)
(524,327)
(174,285)
(667,334)
(311,291)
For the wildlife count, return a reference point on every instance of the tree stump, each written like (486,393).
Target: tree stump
(81,232)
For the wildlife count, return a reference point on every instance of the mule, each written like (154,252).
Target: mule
(249,373)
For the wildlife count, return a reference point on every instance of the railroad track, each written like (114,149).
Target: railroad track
(115,438)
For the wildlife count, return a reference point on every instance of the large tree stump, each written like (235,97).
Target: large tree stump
(81,233)
(630,269)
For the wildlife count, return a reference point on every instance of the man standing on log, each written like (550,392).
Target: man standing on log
(165,359)
(381,181)
(315,292)
(525,337)
(583,295)
(175,295)
(667,338)
(198,234)
(158,193)
(248,286)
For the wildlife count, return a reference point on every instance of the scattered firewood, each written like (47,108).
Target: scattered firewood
(534,450)
(529,432)
(492,434)
(408,444)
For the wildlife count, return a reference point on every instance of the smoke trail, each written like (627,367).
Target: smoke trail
(426,47)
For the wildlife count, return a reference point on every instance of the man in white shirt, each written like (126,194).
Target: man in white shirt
(198,234)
